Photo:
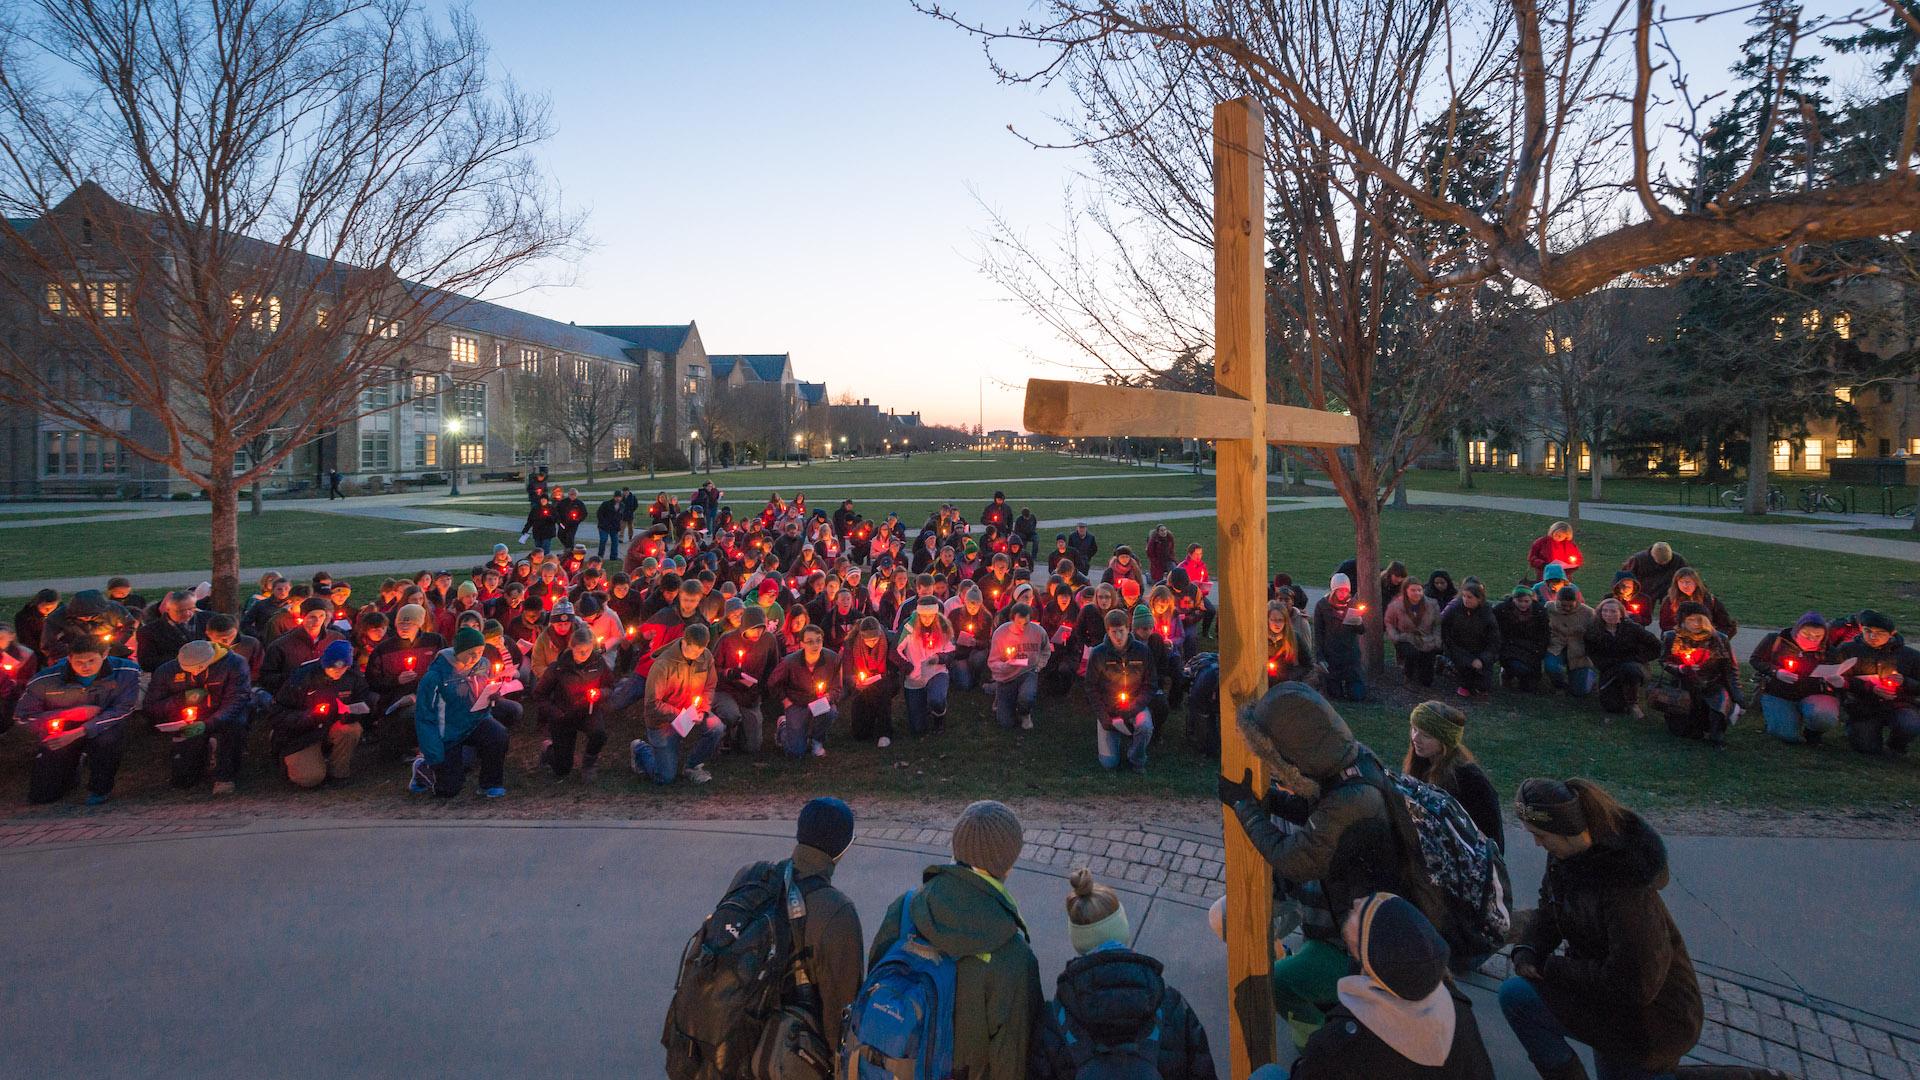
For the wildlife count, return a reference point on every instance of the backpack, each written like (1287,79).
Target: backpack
(728,996)
(1203,704)
(900,1025)
(1137,1059)
(1463,864)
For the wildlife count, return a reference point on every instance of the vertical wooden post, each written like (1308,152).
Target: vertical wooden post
(1240,371)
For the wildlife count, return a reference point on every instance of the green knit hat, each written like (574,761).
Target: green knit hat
(1440,721)
(468,638)
(1142,615)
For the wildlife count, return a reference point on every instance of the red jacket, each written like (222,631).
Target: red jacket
(1547,549)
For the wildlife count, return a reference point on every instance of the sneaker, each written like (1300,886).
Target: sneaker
(96,800)
(1026,723)
(698,774)
(494,792)
(1639,713)
(633,756)
(884,742)
(818,749)
(222,787)
(1464,692)
(421,780)
(546,755)
(589,774)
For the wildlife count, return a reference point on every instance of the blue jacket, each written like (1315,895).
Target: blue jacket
(443,711)
(116,689)
(225,690)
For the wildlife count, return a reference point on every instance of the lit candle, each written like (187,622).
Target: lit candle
(8,664)
(1273,667)
(188,713)
(1123,697)
(410,661)
(54,726)
(593,695)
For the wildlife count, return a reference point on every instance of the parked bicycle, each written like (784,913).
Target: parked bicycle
(1815,498)
(1735,498)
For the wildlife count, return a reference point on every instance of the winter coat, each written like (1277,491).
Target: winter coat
(796,682)
(1344,1049)
(88,614)
(1336,643)
(562,691)
(1111,672)
(1115,995)
(1523,638)
(1083,547)
(997,996)
(1627,643)
(1779,650)
(1655,579)
(1159,555)
(1417,628)
(114,689)
(221,692)
(387,664)
(443,712)
(1548,550)
(1567,634)
(1895,658)
(1701,664)
(308,703)
(541,524)
(734,655)
(1626,985)
(1470,634)
(860,661)
(288,652)
(159,639)
(830,936)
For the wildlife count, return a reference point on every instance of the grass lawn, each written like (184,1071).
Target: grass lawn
(1906,534)
(1761,584)
(1515,736)
(292,537)
(1634,490)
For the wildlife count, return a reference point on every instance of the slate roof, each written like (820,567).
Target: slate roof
(488,318)
(761,367)
(663,339)
(813,393)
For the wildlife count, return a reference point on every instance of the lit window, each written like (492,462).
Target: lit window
(319,316)
(1689,463)
(1811,449)
(530,361)
(622,449)
(1843,448)
(473,452)
(1513,460)
(1782,455)
(465,350)
(1843,394)
(1779,327)
(107,299)
(260,314)
(580,368)
(1842,325)
(1810,322)
(1913,446)
(378,327)
(1552,462)
(1586,458)
(426,449)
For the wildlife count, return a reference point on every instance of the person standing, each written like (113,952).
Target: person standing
(606,521)
(78,709)
(542,525)
(1625,985)
(963,910)
(333,485)
(1082,545)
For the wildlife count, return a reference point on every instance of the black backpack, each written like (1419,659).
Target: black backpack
(1094,1059)
(735,984)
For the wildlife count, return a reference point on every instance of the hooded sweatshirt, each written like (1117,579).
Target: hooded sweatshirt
(1115,995)
(997,997)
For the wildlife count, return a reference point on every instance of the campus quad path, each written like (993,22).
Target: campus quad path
(368,948)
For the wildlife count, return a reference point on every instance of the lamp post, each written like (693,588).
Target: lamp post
(452,430)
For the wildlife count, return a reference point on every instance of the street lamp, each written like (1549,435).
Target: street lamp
(452,430)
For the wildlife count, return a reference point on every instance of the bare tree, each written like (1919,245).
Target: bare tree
(1596,370)
(242,216)
(580,404)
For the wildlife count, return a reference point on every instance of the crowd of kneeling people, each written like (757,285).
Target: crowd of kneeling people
(777,627)
(782,981)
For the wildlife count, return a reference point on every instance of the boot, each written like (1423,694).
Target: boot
(1574,1069)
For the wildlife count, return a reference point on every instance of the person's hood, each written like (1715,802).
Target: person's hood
(1420,1031)
(89,604)
(1634,857)
(1113,993)
(1293,725)
(962,913)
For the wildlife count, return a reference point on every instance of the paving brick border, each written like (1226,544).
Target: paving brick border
(36,833)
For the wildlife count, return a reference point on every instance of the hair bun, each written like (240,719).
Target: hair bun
(1082,881)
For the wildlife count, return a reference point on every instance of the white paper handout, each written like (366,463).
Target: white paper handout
(746,679)
(685,721)
(1828,671)
(819,706)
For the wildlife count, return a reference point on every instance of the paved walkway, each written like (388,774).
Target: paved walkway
(377,948)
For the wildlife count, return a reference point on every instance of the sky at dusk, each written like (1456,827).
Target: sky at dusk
(806,178)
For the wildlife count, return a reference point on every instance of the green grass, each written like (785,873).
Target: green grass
(1906,534)
(290,537)
(1515,736)
(1631,490)
(1761,584)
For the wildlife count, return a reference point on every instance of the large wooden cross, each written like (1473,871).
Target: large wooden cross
(1242,423)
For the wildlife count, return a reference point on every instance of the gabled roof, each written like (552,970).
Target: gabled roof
(667,338)
(761,367)
(813,393)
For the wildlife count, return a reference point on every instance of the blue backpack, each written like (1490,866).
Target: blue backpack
(901,1024)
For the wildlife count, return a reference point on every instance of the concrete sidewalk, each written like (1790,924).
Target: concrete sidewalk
(385,948)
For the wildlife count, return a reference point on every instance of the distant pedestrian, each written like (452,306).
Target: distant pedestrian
(333,485)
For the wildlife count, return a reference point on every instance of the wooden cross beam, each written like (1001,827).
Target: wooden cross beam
(1242,423)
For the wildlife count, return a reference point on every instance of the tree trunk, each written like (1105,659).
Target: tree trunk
(1366,559)
(1758,429)
(256,506)
(1593,489)
(1400,495)
(225,530)
(1460,460)
(1570,461)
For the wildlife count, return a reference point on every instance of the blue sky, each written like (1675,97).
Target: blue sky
(800,177)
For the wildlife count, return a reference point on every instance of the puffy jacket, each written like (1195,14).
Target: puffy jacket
(308,703)
(1627,643)
(997,996)
(221,692)
(1523,638)
(566,688)
(1778,651)
(1567,634)
(1626,985)
(1115,995)
(88,614)
(114,689)
(1470,634)
(1702,663)
(674,683)
(1417,627)
(443,711)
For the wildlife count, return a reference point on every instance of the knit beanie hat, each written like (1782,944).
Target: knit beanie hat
(988,838)
(315,603)
(1550,806)
(1441,721)
(1095,915)
(1555,572)
(1692,607)
(826,825)
(196,655)
(336,653)
(468,638)
(493,631)
(1811,618)
(1399,949)
(1142,616)
(1873,620)
(467,590)
(410,615)
(499,549)
(1338,582)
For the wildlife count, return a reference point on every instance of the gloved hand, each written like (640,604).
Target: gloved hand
(1233,792)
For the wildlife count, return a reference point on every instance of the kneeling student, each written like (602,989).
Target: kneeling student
(316,718)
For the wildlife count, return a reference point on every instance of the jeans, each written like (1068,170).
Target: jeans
(610,544)
(545,544)
(657,756)
(1695,714)
(489,737)
(798,727)
(927,706)
(563,729)
(1346,688)
(1013,698)
(968,670)
(1577,683)
(745,721)
(1106,742)
(1804,720)
(1545,1038)
(55,772)
(1870,722)
(1522,674)
(1476,679)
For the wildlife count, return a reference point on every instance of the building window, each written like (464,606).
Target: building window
(79,453)
(470,402)
(1782,455)
(107,299)
(1811,450)
(1552,463)
(376,396)
(378,327)
(425,390)
(320,316)
(530,361)
(260,314)
(465,350)
(580,369)
(376,451)
(1843,448)
(1843,394)
(426,449)
(622,448)
(1913,446)
(1688,463)
(473,452)
(1842,325)
(1586,458)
